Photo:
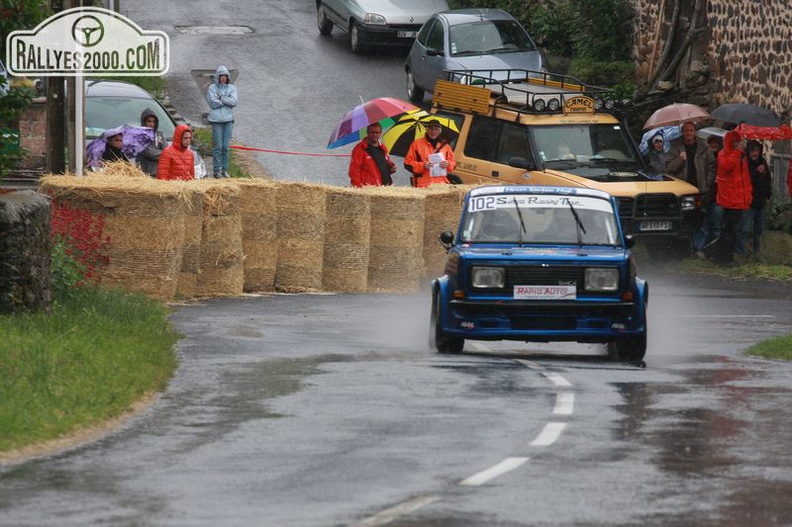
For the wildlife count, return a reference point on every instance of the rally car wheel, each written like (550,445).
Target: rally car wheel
(437,337)
(630,349)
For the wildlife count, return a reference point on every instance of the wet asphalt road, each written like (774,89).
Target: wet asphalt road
(330,410)
(325,410)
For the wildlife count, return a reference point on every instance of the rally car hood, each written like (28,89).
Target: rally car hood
(512,254)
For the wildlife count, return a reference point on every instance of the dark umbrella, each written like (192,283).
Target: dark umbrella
(739,113)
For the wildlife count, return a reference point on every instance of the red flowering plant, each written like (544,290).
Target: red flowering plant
(79,245)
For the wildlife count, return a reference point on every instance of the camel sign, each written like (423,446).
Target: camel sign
(87,41)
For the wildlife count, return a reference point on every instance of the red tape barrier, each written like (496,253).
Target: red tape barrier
(237,147)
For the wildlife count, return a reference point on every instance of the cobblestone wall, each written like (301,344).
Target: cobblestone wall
(746,50)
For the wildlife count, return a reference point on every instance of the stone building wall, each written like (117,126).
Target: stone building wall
(746,49)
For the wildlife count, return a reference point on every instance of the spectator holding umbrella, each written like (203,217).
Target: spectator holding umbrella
(430,158)
(370,164)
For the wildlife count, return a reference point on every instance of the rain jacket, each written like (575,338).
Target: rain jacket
(148,159)
(419,153)
(177,162)
(761,183)
(734,180)
(222,98)
(704,162)
(363,170)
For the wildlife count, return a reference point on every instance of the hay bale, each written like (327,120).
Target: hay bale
(346,248)
(144,219)
(301,224)
(259,234)
(221,271)
(187,285)
(396,239)
(442,209)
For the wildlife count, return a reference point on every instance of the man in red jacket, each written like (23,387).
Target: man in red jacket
(422,153)
(370,164)
(177,160)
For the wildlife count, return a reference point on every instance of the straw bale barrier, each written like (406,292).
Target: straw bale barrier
(144,219)
(396,239)
(442,210)
(346,248)
(301,226)
(221,271)
(259,233)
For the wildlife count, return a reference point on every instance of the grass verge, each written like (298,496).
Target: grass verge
(779,348)
(87,362)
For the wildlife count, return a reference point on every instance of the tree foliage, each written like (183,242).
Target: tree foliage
(590,39)
(20,14)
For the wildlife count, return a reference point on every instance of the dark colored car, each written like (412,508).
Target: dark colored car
(471,40)
(109,104)
(376,22)
(542,264)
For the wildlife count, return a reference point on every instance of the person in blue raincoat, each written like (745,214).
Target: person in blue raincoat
(222,97)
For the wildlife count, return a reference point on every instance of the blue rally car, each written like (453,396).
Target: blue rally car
(540,264)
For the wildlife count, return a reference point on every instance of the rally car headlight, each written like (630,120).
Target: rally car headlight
(688,203)
(601,279)
(487,277)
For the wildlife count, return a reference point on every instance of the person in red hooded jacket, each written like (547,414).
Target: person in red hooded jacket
(177,160)
(734,193)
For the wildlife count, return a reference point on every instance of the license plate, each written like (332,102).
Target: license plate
(407,34)
(655,226)
(545,292)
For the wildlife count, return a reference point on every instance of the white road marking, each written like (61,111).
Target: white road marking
(529,364)
(507,465)
(556,379)
(565,403)
(388,515)
(549,434)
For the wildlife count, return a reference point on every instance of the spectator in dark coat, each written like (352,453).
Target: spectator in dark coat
(762,189)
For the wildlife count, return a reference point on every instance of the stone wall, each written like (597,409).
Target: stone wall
(33,135)
(745,50)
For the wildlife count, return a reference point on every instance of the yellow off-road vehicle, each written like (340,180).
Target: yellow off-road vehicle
(536,128)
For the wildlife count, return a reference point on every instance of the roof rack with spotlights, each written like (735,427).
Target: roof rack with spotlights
(531,91)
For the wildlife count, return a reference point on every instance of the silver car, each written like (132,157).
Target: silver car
(468,39)
(371,22)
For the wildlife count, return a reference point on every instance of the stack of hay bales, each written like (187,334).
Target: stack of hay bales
(221,270)
(346,248)
(396,239)
(301,227)
(259,233)
(144,220)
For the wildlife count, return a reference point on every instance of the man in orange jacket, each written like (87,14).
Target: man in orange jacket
(419,162)
(370,164)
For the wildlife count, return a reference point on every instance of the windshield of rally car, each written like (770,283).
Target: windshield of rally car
(540,219)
